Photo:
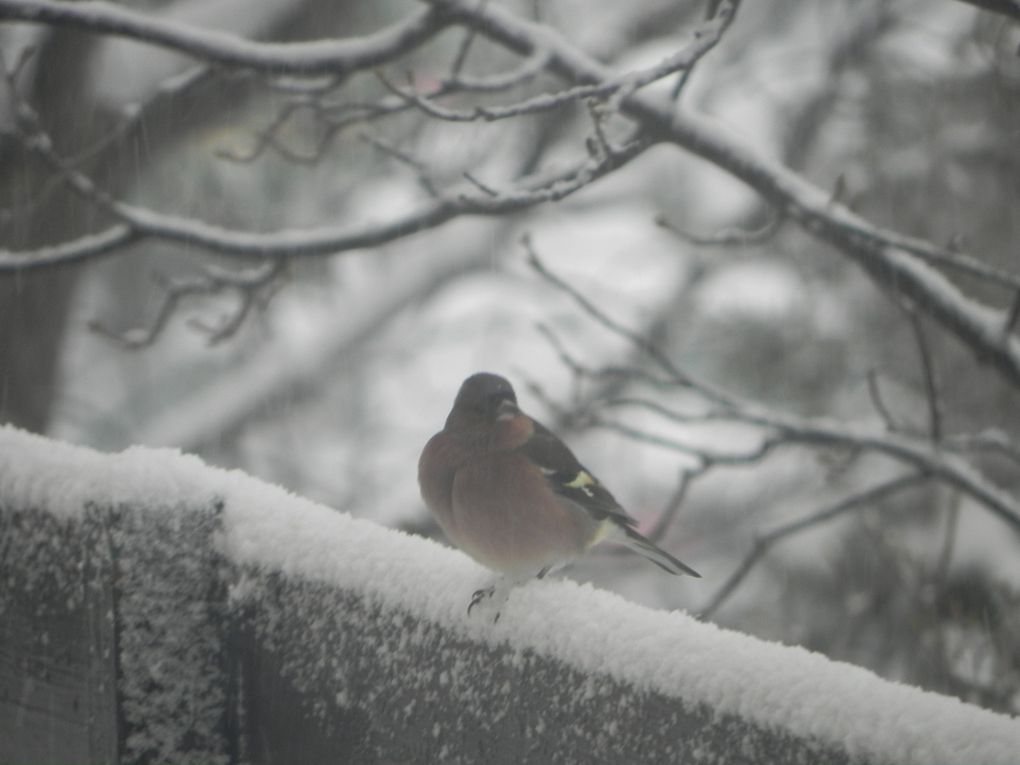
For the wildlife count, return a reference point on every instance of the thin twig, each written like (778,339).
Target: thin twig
(928,374)
(536,190)
(637,340)
(885,255)
(532,66)
(134,114)
(139,222)
(617,90)
(992,441)
(725,12)
(1012,316)
(599,147)
(875,394)
(948,541)
(536,104)
(867,236)
(343,114)
(253,287)
(918,453)
(335,117)
(676,500)
(566,358)
(267,137)
(703,455)
(764,541)
(465,47)
(785,428)
(484,188)
(735,237)
(421,172)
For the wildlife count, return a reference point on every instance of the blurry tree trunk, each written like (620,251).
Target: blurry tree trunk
(33,311)
(34,304)
(59,83)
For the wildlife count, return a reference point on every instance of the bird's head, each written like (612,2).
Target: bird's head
(483,398)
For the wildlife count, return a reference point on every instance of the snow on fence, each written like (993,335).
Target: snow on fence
(153,610)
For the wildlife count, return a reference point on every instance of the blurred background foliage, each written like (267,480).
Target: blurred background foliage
(907,110)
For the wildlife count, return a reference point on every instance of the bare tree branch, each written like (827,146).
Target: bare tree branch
(919,453)
(86,247)
(464,50)
(992,441)
(1012,316)
(677,376)
(875,394)
(254,286)
(724,14)
(268,137)
(618,88)
(217,412)
(765,541)
(529,68)
(704,455)
(890,258)
(931,390)
(728,237)
(780,428)
(131,116)
(139,222)
(668,514)
(405,158)
(539,103)
(948,541)
(336,116)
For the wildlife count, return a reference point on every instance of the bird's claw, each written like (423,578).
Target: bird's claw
(481,595)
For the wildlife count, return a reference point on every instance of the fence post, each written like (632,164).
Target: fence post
(154,610)
(58,673)
(113,639)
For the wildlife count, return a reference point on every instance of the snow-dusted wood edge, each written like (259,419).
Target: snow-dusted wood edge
(154,609)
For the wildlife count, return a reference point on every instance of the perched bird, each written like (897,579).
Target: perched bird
(510,494)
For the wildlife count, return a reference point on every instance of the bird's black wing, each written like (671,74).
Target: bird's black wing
(570,479)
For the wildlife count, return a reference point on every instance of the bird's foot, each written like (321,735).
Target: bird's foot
(490,598)
(479,595)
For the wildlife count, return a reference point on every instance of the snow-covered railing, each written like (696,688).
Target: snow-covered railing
(153,609)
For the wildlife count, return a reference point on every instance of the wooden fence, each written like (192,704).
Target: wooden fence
(153,610)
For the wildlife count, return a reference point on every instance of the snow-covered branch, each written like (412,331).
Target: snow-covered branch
(137,222)
(613,90)
(921,458)
(911,267)
(890,258)
(919,453)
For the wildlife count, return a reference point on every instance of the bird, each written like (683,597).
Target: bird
(512,495)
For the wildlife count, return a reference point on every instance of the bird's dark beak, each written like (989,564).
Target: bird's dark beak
(506,409)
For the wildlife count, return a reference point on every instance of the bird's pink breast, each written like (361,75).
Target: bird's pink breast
(507,518)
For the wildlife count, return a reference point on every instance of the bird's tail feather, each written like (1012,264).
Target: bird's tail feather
(652,552)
